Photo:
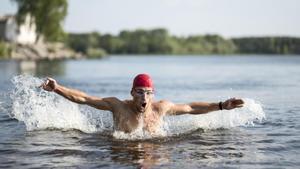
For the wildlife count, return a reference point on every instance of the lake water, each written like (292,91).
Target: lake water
(43,130)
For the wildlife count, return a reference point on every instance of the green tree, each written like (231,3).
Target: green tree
(5,50)
(135,41)
(160,42)
(48,16)
(111,44)
(78,42)
(268,45)
(86,43)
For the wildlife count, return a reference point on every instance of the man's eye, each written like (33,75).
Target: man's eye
(149,93)
(145,92)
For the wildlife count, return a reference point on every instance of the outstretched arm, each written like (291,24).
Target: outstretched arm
(203,107)
(79,96)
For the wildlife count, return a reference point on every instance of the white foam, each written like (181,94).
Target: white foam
(40,109)
(245,116)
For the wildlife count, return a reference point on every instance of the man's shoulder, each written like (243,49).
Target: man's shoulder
(112,99)
(118,105)
(121,103)
(162,104)
(115,102)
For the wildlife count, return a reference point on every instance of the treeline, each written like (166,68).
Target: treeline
(159,41)
(267,45)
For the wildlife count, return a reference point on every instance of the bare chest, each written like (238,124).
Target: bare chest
(129,121)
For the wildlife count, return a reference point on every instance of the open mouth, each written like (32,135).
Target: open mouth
(144,105)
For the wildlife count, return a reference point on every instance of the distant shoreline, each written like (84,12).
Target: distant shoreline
(5,59)
(149,42)
(201,55)
(32,63)
(159,41)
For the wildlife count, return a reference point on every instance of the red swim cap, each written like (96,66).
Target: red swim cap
(142,80)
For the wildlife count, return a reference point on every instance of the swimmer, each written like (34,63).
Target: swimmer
(128,114)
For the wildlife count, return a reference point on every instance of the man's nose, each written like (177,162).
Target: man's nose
(144,96)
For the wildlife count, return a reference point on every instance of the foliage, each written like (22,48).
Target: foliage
(5,50)
(207,44)
(87,44)
(158,41)
(48,16)
(95,53)
(268,45)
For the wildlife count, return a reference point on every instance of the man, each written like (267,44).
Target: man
(142,109)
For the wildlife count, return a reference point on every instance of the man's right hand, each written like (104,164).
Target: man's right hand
(49,84)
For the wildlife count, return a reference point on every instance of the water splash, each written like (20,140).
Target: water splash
(39,110)
(245,116)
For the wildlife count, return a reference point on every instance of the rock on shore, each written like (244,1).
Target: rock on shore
(40,51)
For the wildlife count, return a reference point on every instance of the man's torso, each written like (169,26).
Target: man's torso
(125,119)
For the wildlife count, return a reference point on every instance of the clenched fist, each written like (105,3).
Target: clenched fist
(49,84)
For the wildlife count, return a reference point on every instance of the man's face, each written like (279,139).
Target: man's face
(142,97)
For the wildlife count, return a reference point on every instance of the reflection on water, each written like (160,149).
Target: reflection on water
(50,68)
(142,154)
(37,68)
(76,149)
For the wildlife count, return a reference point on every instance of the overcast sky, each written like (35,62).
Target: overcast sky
(229,18)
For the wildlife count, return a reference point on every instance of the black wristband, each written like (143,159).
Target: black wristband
(220,106)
